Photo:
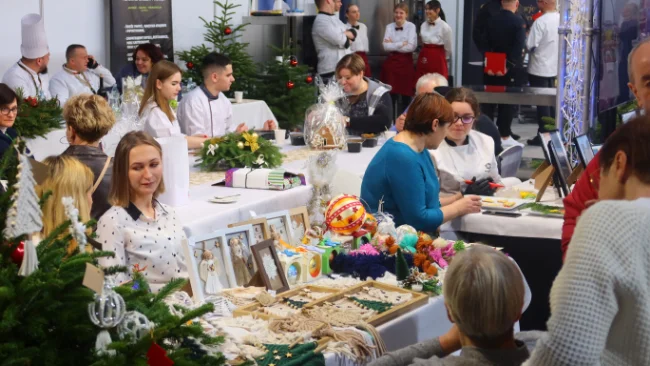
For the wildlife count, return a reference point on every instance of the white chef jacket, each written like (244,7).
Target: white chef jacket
(33,84)
(360,43)
(409,34)
(157,124)
(330,41)
(439,34)
(456,164)
(68,83)
(544,41)
(199,116)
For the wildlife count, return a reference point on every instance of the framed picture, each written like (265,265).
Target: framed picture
(208,264)
(585,151)
(279,226)
(237,242)
(560,160)
(270,267)
(299,223)
(260,229)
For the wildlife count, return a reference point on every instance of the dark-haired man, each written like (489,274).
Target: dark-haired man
(206,111)
(331,37)
(81,74)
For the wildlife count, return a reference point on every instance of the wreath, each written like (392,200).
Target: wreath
(238,151)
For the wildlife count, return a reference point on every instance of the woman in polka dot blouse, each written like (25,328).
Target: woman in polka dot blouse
(138,228)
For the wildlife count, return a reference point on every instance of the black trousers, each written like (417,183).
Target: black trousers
(400,102)
(542,111)
(505,111)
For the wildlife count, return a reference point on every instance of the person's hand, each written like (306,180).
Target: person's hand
(269,125)
(350,35)
(405,43)
(450,341)
(468,204)
(242,128)
(388,40)
(399,122)
(499,73)
(489,72)
(480,187)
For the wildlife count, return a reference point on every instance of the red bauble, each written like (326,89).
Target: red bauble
(18,254)
(290,85)
(309,79)
(227,31)
(157,356)
(190,65)
(293,63)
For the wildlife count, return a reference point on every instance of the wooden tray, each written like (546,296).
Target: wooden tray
(419,299)
(255,307)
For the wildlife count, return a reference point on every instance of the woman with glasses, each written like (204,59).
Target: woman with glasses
(8,113)
(466,154)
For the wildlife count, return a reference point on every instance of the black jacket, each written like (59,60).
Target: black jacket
(487,11)
(6,139)
(506,33)
(94,158)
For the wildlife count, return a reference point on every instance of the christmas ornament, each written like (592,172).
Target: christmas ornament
(135,326)
(157,356)
(290,84)
(107,311)
(240,145)
(345,214)
(227,31)
(322,169)
(18,253)
(309,79)
(77,229)
(293,62)
(189,65)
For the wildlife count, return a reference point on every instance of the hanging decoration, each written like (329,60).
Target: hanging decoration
(189,65)
(322,169)
(227,31)
(309,79)
(135,325)
(293,61)
(107,311)
(157,356)
(345,214)
(290,84)
(77,229)
(18,253)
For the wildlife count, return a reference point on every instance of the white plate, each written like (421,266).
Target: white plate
(497,203)
(224,200)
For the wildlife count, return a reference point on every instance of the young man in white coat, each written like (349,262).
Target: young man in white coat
(332,38)
(30,73)
(205,111)
(81,74)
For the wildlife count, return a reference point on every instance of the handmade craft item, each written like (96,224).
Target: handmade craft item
(271,179)
(345,214)
(209,272)
(106,311)
(240,262)
(236,150)
(322,169)
(324,121)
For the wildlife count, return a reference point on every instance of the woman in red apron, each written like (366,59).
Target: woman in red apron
(400,40)
(360,46)
(436,42)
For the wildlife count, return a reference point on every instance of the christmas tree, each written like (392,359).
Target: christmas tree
(45,314)
(401,266)
(287,88)
(223,38)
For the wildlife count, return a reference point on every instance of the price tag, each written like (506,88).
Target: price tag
(94,278)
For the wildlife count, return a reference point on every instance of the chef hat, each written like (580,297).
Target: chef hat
(34,40)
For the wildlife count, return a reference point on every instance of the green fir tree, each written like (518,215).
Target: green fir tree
(223,37)
(401,266)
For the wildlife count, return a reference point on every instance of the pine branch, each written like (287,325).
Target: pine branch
(173,286)
(112,270)
(197,313)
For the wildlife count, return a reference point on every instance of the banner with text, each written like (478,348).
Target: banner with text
(134,22)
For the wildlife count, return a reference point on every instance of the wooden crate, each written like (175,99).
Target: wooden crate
(254,308)
(419,299)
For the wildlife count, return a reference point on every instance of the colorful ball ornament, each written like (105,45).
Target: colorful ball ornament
(309,79)
(345,214)
(403,230)
(227,31)
(290,85)
(18,254)
(190,65)
(293,62)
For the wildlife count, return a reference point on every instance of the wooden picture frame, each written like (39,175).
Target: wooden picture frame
(260,229)
(279,223)
(208,278)
(298,223)
(238,242)
(269,266)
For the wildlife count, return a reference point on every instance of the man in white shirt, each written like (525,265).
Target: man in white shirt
(360,46)
(332,38)
(30,73)
(542,43)
(205,111)
(81,74)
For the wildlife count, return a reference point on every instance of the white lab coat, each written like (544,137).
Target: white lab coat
(157,124)
(456,164)
(29,81)
(67,83)
(330,41)
(199,116)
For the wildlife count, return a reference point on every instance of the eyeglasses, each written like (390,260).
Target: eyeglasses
(7,111)
(465,119)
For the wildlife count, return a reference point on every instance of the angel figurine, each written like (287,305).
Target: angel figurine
(210,273)
(239,261)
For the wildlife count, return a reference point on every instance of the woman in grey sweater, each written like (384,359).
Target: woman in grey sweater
(484,297)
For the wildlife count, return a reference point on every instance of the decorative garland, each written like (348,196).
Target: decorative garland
(238,151)
(300,355)
(378,306)
(36,116)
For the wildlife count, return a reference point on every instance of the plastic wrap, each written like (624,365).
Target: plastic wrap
(324,121)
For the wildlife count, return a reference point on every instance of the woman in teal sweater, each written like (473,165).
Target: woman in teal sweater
(402,174)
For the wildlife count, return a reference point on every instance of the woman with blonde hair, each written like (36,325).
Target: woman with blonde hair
(139,229)
(485,294)
(88,119)
(163,86)
(67,177)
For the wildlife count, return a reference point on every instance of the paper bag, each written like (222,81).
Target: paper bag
(176,170)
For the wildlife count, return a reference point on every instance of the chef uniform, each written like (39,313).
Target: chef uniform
(398,71)
(361,46)
(459,163)
(68,83)
(201,113)
(156,122)
(34,45)
(436,47)
(330,41)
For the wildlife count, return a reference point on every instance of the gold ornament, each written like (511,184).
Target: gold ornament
(275,352)
(251,140)
(278,357)
(254,135)
(289,355)
(240,145)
